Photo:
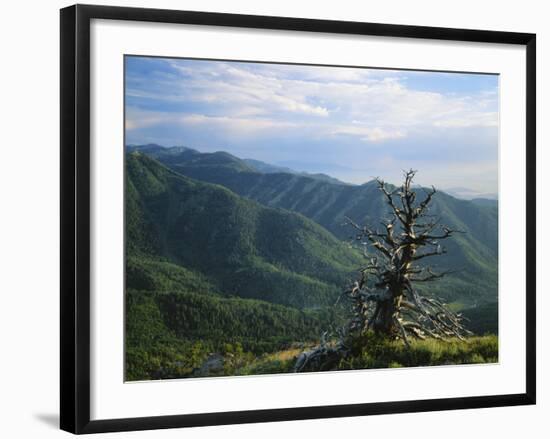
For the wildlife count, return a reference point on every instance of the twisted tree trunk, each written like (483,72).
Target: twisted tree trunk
(388,304)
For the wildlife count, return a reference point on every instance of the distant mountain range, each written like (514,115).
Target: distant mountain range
(224,253)
(244,164)
(266,168)
(470,194)
(474,254)
(226,243)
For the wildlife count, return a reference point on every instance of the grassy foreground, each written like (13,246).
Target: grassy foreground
(369,352)
(378,353)
(430,352)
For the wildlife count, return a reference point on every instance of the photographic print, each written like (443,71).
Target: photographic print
(284,218)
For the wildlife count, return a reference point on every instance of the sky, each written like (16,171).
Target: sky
(351,123)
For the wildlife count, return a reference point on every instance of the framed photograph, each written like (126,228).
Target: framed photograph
(268,218)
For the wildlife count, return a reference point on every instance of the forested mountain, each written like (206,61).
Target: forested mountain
(207,270)
(177,155)
(267,168)
(221,257)
(215,238)
(472,254)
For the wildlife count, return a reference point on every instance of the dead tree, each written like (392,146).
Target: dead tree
(384,298)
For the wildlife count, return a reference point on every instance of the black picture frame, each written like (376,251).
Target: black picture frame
(75,217)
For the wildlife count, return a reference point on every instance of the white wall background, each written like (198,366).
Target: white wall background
(29,200)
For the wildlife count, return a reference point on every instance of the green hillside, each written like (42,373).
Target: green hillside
(208,271)
(483,319)
(267,168)
(211,272)
(242,248)
(170,334)
(473,254)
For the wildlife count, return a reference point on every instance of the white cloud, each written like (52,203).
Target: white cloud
(226,84)
(368,134)
(376,120)
(137,119)
(257,96)
(237,124)
(477,119)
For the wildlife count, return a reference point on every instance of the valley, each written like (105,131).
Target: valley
(246,259)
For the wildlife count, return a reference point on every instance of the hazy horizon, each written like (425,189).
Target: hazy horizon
(350,123)
(458,192)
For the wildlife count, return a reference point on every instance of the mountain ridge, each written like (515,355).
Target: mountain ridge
(209,270)
(244,248)
(474,254)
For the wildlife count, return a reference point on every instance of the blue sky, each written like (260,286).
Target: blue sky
(351,123)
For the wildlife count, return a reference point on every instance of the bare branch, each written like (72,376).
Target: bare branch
(384,299)
(424,204)
(399,214)
(431,276)
(439,251)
